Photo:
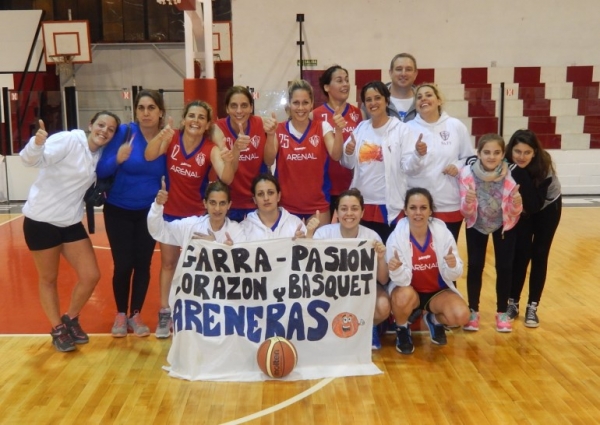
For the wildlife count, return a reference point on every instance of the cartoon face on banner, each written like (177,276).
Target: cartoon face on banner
(345,325)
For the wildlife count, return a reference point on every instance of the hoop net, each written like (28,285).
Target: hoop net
(172,2)
(64,66)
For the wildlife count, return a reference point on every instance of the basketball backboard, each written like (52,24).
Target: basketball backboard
(67,39)
(17,39)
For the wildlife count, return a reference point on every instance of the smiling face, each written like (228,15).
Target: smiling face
(428,103)
(239,108)
(418,210)
(266,197)
(338,88)
(195,121)
(147,113)
(375,103)
(300,105)
(522,154)
(217,206)
(349,212)
(101,131)
(403,73)
(491,155)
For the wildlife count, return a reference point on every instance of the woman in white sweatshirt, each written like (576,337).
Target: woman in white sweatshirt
(53,213)
(448,145)
(270,221)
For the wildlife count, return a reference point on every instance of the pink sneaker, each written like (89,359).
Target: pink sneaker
(503,323)
(473,324)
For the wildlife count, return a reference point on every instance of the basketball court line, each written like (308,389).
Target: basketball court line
(281,405)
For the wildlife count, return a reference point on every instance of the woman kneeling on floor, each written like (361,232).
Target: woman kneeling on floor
(423,262)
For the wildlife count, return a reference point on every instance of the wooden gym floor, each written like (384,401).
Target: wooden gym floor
(548,375)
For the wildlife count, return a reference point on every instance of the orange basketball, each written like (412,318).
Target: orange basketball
(277,357)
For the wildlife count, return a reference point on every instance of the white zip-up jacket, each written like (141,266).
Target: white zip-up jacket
(179,232)
(67,169)
(442,241)
(448,142)
(399,154)
(255,230)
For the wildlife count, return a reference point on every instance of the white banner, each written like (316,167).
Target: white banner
(319,294)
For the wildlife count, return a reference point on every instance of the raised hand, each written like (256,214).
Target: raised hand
(313,224)
(210,236)
(379,249)
(338,119)
(517,200)
(243,140)
(451,170)
(162,196)
(395,262)
(166,134)
(471,196)
(228,240)
(421,146)
(450,259)
(299,233)
(124,151)
(226,154)
(351,145)
(41,135)
(270,123)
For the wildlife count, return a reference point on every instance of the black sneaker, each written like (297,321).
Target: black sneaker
(436,331)
(531,317)
(77,334)
(512,311)
(61,339)
(404,343)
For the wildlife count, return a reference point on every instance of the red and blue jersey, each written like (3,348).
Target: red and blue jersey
(340,176)
(301,168)
(251,161)
(426,276)
(187,177)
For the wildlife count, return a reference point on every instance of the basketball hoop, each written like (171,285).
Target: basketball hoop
(64,66)
(168,1)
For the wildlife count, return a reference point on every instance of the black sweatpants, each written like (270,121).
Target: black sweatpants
(534,239)
(132,248)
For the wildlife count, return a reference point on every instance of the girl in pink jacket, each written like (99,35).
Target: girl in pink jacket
(491,204)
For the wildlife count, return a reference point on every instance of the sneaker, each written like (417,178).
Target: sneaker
(61,338)
(375,341)
(531,317)
(404,343)
(512,310)
(473,323)
(436,331)
(503,323)
(119,329)
(137,326)
(77,334)
(165,323)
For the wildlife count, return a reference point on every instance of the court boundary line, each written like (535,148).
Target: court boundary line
(281,405)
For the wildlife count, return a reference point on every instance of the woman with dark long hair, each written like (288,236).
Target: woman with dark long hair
(535,231)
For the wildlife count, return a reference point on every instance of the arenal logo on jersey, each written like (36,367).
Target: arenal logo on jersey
(200,159)
(314,140)
(445,135)
(255,141)
(175,152)
(353,116)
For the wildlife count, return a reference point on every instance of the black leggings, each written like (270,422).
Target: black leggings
(132,248)
(504,248)
(534,239)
